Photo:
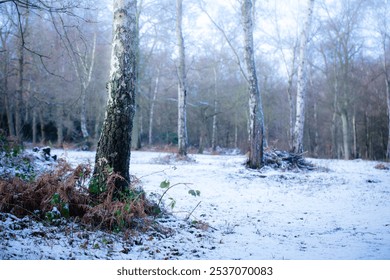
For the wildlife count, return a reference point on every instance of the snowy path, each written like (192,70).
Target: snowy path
(343,213)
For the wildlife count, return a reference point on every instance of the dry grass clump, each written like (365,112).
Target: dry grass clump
(63,193)
(382,166)
(23,198)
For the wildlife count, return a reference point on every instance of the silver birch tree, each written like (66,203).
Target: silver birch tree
(387,82)
(256,116)
(383,29)
(182,85)
(302,81)
(83,64)
(114,145)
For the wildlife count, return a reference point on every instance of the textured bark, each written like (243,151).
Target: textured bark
(256,116)
(302,81)
(182,86)
(115,141)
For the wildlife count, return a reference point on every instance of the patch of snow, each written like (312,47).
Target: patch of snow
(340,211)
(26,164)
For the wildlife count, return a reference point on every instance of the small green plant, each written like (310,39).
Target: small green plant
(166,185)
(61,206)
(53,216)
(96,186)
(98,183)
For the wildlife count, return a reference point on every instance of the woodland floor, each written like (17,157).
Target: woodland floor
(338,211)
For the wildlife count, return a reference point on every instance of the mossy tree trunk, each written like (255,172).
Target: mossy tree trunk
(114,145)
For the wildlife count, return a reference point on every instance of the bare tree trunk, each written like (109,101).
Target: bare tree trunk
(151,115)
(83,114)
(387,84)
(182,86)
(367,124)
(315,116)
(354,130)
(388,117)
(59,125)
(302,81)
(256,130)
(290,131)
(20,75)
(316,135)
(344,128)
(19,94)
(34,126)
(333,131)
(8,104)
(383,28)
(84,66)
(114,146)
(9,110)
(202,129)
(42,126)
(214,133)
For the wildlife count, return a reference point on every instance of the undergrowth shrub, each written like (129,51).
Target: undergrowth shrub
(64,193)
(13,161)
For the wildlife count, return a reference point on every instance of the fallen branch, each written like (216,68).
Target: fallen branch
(286,160)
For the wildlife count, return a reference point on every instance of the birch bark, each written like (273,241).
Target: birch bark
(182,86)
(256,116)
(114,145)
(385,37)
(302,81)
(84,65)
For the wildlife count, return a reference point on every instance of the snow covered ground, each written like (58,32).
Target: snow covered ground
(341,211)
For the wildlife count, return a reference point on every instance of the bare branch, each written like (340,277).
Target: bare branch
(238,60)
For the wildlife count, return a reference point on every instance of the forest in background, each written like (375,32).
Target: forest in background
(55,64)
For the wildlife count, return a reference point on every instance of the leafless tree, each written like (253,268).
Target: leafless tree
(302,81)
(256,127)
(182,85)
